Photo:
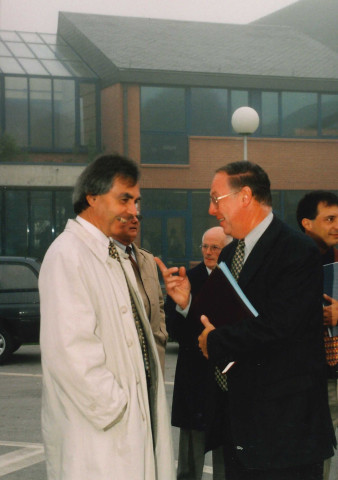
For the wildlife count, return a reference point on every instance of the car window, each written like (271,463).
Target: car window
(17,277)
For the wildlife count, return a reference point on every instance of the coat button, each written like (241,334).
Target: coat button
(124,309)
(129,342)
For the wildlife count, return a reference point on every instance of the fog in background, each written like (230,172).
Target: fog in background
(42,15)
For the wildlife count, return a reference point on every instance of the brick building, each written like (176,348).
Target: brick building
(162,92)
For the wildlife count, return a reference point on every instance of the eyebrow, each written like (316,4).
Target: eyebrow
(130,197)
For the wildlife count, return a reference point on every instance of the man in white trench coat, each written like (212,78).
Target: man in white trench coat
(102,418)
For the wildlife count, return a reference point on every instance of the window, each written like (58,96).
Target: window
(269,117)
(329,111)
(209,111)
(64,108)
(17,277)
(239,98)
(16,109)
(41,112)
(163,125)
(300,114)
(87,114)
(16,223)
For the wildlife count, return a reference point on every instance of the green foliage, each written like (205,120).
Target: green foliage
(9,149)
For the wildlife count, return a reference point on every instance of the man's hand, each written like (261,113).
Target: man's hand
(177,286)
(202,339)
(330,312)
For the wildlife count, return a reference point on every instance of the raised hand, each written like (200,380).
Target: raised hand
(176,283)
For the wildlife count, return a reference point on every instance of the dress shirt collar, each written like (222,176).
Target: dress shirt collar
(100,236)
(252,238)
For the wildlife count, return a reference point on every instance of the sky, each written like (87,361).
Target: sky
(41,15)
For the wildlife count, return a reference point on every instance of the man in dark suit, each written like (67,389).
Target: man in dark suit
(145,270)
(274,417)
(190,387)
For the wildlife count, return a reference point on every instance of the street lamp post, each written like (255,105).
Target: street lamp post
(245,121)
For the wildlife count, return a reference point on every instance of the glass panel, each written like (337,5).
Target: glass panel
(31,37)
(163,109)
(299,112)
(20,50)
(269,120)
(201,220)
(164,200)
(16,109)
(329,115)
(17,277)
(64,109)
(33,67)
(55,68)
(51,38)
(239,98)
(176,239)
(10,36)
(64,209)
(277,203)
(42,51)
(151,235)
(40,223)
(10,65)
(161,149)
(88,114)
(208,111)
(291,199)
(41,112)
(4,50)
(16,223)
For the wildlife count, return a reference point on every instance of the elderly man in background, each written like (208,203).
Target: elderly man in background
(104,412)
(191,378)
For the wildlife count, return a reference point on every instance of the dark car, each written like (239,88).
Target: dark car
(19,303)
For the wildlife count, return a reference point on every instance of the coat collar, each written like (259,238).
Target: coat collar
(99,249)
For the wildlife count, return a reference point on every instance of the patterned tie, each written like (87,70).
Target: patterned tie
(238,259)
(236,267)
(141,335)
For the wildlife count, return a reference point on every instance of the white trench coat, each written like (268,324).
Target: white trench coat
(95,411)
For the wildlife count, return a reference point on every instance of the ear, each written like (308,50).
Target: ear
(91,199)
(246,195)
(307,224)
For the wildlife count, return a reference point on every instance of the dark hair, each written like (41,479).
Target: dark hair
(247,174)
(98,177)
(308,205)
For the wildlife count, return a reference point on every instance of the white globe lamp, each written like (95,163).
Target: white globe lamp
(245,121)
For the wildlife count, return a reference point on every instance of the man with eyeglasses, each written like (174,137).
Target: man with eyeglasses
(273,420)
(146,275)
(190,387)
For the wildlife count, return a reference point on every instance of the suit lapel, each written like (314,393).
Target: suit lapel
(259,253)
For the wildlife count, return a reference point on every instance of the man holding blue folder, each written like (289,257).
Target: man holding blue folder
(273,420)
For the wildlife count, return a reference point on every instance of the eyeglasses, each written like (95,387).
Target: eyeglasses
(213,248)
(215,200)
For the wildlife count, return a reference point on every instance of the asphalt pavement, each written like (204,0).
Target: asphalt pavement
(21,449)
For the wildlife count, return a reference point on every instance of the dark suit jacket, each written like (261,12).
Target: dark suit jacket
(189,397)
(277,402)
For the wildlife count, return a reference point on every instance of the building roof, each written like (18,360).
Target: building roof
(318,19)
(28,53)
(197,53)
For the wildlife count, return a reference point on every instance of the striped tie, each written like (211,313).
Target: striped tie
(236,267)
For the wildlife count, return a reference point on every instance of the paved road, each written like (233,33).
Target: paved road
(21,450)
